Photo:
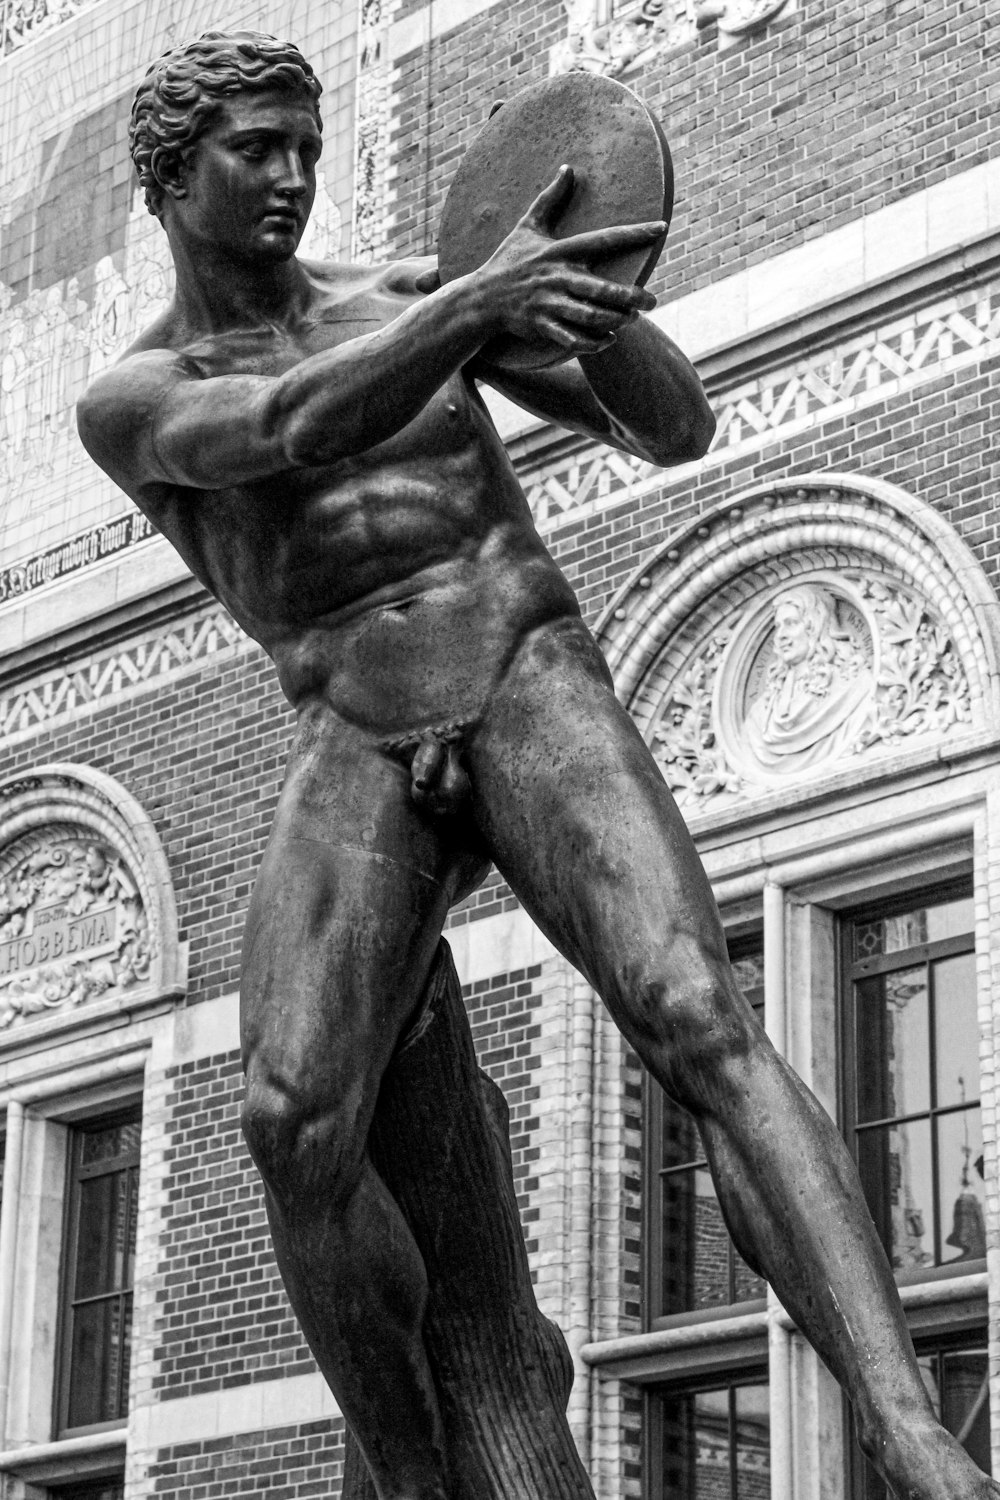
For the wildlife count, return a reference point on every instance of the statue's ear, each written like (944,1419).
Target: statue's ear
(494,107)
(170,170)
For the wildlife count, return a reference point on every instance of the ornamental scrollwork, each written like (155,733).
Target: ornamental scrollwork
(821,672)
(72,925)
(921,687)
(685,743)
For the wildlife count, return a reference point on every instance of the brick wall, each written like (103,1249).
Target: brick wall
(224,1316)
(288,1463)
(224,1319)
(204,754)
(834,111)
(500,1014)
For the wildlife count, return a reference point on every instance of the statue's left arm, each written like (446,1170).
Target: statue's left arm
(641,394)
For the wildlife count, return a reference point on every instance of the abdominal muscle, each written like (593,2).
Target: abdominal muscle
(433,652)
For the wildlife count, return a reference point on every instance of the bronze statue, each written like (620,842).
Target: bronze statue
(310,438)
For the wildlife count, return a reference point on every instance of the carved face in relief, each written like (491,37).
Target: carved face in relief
(792,640)
(818,693)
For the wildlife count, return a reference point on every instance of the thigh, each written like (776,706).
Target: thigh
(343,924)
(575,813)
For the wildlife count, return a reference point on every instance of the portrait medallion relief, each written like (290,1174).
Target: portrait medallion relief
(807,676)
(805,683)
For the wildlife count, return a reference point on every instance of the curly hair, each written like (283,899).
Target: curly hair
(832,651)
(182,93)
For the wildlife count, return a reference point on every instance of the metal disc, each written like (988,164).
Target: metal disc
(622,174)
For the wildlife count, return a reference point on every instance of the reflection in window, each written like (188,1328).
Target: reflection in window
(715,1444)
(957,1380)
(914,1081)
(694,1262)
(100,1267)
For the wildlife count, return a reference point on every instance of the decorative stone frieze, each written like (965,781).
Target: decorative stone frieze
(23,20)
(613,41)
(806,627)
(737,17)
(87,916)
(597,42)
(371,134)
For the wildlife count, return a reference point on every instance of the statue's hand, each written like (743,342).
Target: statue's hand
(536,287)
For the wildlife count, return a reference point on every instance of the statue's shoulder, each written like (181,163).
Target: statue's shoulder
(397,278)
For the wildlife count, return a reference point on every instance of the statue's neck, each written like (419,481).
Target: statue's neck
(216,291)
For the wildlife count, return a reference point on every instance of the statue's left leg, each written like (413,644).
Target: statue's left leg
(579,820)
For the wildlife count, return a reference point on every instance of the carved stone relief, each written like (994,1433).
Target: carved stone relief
(603,38)
(830,668)
(72,923)
(23,20)
(86,907)
(801,631)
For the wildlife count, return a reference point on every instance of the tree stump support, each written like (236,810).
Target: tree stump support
(503,1372)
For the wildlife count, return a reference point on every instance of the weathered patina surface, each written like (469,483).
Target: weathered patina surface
(311,439)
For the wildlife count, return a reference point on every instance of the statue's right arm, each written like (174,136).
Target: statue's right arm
(155,419)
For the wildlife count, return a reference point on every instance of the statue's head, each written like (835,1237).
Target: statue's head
(183,91)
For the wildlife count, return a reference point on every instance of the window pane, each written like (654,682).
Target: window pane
(749,974)
(911,929)
(961,1201)
(895,1166)
(716,1444)
(749,1286)
(753,1442)
(681,1142)
(893,1045)
(98,1389)
(95,1489)
(696,1446)
(115,1140)
(957,1383)
(102,1245)
(956,1029)
(965,1401)
(695,1243)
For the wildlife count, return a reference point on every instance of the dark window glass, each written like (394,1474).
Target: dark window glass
(693,1262)
(956,1374)
(713,1444)
(913,1080)
(91,1489)
(100,1271)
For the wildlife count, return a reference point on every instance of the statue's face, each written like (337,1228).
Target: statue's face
(791,638)
(251,179)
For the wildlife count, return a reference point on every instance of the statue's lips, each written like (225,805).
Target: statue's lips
(287,217)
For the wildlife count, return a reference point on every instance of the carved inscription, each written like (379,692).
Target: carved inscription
(72,924)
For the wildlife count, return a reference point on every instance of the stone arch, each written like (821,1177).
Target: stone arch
(910,614)
(87,911)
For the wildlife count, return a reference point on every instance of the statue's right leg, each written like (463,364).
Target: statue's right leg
(340,937)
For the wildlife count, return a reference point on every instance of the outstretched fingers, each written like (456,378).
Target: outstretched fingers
(544,213)
(596,243)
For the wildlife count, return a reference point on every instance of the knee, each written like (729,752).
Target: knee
(302,1145)
(694,1028)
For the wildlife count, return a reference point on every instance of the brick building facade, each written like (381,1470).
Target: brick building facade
(834,270)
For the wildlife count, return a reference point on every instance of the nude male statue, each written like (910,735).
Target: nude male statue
(311,440)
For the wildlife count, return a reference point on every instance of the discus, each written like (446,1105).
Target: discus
(622,175)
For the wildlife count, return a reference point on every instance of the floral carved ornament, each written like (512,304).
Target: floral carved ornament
(826,670)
